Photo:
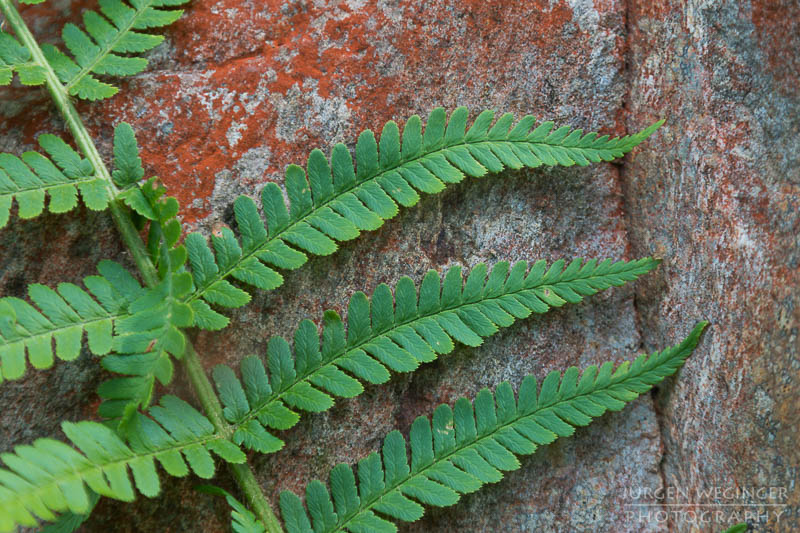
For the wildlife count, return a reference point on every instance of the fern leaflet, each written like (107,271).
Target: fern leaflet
(472,444)
(145,339)
(33,177)
(14,57)
(64,315)
(50,477)
(242,520)
(333,200)
(397,332)
(102,48)
(29,178)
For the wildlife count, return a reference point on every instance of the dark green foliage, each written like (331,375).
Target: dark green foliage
(398,332)
(471,444)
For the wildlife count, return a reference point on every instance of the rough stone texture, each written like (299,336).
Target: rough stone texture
(724,185)
(241,89)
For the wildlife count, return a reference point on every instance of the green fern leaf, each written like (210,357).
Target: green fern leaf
(472,444)
(242,520)
(14,57)
(51,477)
(332,200)
(64,315)
(30,178)
(398,333)
(100,49)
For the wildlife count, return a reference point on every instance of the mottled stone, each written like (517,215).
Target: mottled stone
(719,200)
(241,89)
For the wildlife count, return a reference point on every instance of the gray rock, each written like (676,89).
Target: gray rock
(241,89)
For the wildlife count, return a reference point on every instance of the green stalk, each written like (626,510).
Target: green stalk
(130,236)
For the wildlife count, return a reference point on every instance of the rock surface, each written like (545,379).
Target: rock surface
(241,89)
(724,183)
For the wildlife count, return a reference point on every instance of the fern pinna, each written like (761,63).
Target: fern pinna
(97,50)
(471,444)
(398,332)
(469,449)
(333,200)
(136,322)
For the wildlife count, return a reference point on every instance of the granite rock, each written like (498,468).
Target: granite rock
(241,89)
(719,199)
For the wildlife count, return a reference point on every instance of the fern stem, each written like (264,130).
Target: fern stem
(255,497)
(130,236)
(243,473)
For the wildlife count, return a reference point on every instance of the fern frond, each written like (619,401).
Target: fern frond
(106,46)
(472,444)
(242,519)
(398,333)
(30,178)
(334,200)
(14,57)
(64,315)
(50,477)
